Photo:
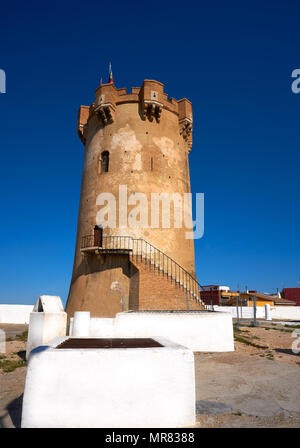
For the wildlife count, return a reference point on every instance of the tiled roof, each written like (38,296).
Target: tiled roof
(276,300)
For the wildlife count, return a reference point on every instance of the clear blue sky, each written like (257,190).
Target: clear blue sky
(232,59)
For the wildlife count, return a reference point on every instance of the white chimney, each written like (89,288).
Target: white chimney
(278,294)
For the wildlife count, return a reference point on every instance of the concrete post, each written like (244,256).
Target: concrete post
(47,321)
(237,312)
(71,327)
(268,312)
(81,324)
(2,341)
(254,323)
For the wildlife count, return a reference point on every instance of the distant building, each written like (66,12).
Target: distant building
(263,299)
(217,295)
(292,294)
(222,296)
(215,288)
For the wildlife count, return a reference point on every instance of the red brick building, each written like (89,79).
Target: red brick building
(292,294)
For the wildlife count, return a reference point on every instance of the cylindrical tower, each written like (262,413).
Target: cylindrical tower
(136,145)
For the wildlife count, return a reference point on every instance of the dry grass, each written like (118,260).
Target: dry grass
(9,365)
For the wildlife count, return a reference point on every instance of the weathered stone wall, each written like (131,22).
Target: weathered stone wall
(148,154)
(100,285)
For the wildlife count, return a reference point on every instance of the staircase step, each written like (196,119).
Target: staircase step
(151,256)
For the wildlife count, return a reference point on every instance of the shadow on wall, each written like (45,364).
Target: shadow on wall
(91,264)
(14,412)
(134,286)
(119,268)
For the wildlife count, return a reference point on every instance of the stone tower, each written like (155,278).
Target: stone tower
(135,143)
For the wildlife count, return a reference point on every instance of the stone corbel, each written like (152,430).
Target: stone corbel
(99,256)
(152,109)
(185,126)
(158,113)
(106,113)
(82,129)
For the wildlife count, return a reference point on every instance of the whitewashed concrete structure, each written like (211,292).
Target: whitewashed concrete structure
(200,331)
(109,388)
(15,314)
(81,324)
(48,304)
(47,321)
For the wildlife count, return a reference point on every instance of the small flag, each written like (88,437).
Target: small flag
(110,76)
(101,82)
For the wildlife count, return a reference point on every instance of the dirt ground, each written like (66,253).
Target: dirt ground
(257,385)
(12,382)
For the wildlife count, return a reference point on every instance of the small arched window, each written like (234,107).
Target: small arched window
(104,161)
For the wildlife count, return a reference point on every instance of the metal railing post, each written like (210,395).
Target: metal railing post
(237,312)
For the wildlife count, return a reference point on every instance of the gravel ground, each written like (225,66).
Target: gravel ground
(257,385)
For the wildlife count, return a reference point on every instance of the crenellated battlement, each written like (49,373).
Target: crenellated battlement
(152,100)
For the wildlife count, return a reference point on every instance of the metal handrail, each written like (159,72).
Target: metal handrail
(145,250)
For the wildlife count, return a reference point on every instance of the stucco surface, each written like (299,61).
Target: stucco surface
(203,331)
(109,388)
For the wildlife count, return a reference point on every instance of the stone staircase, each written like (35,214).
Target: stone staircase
(141,251)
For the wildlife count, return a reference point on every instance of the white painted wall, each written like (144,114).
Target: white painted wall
(201,331)
(277,312)
(15,314)
(104,327)
(245,312)
(285,312)
(109,388)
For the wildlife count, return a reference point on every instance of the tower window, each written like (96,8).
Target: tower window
(104,161)
(151,164)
